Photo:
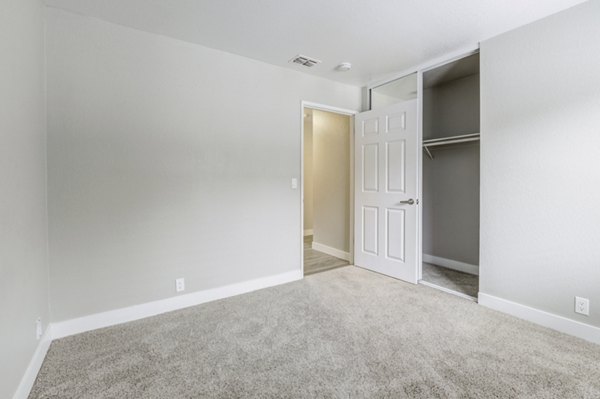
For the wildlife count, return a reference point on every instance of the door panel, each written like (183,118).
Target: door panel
(386,180)
(396,226)
(370,127)
(396,166)
(370,230)
(396,122)
(370,167)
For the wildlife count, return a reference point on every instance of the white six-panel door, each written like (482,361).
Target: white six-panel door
(386,191)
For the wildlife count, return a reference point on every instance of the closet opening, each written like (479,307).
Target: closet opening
(450,177)
(327,187)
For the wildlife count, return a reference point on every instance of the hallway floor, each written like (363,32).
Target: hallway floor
(316,262)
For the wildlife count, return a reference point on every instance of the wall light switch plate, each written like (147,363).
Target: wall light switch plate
(294,183)
(582,306)
(180,284)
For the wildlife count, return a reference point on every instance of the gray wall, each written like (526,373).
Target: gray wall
(540,171)
(451,204)
(166,160)
(331,177)
(451,179)
(23,228)
(452,108)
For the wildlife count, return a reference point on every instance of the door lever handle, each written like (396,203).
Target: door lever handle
(408,202)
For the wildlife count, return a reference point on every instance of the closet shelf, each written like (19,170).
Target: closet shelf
(448,140)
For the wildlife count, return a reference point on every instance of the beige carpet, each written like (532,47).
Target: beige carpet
(345,333)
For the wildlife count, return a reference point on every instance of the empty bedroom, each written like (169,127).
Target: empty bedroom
(316,199)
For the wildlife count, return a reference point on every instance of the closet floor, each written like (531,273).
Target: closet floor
(457,281)
(316,262)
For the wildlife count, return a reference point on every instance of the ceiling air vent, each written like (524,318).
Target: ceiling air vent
(304,60)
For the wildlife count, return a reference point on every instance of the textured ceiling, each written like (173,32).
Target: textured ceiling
(378,37)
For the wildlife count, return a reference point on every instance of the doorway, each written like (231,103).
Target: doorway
(326,188)
(417,177)
(450,177)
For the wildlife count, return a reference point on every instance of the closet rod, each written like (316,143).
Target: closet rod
(448,140)
(454,141)
(462,136)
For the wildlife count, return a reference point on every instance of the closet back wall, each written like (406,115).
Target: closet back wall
(168,159)
(451,179)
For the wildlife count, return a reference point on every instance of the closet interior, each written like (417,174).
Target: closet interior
(450,179)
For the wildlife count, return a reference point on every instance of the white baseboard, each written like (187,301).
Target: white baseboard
(113,317)
(555,322)
(34,366)
(131,313)
(308,232)
(451,264)
(331,251)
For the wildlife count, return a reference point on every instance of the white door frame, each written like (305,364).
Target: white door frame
(335,110)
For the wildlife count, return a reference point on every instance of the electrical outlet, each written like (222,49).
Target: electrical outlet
(294,183)
(582,306)
(180,284)
(39,329)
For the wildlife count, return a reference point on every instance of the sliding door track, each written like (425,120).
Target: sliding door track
(448,290)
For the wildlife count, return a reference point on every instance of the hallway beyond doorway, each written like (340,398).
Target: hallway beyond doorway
(316,262)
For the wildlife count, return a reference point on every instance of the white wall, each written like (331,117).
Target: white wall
(331,177)
(308,170)
(166,160)
(540,170)
(23,228)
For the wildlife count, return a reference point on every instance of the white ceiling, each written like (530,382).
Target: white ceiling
(378,37)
